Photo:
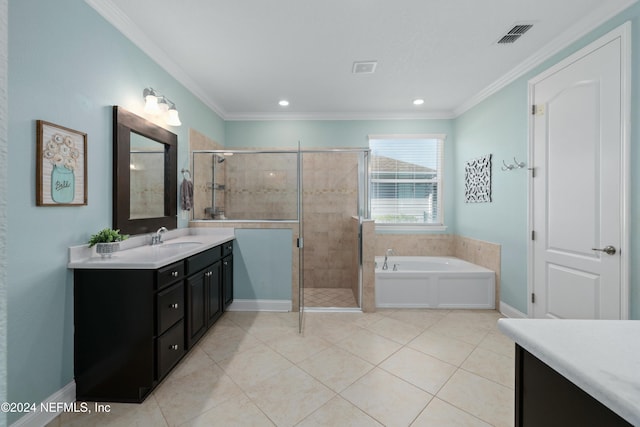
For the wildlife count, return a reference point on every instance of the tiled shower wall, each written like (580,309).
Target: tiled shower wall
(201,172)
(330,199)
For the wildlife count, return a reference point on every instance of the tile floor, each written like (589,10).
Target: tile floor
(392,368)
(329,297)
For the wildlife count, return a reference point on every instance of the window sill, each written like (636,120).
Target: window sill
(410,228)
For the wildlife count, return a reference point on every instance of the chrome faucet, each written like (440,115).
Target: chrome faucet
(156,239)
(385,266)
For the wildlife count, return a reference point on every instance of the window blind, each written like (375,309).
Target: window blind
(406,180)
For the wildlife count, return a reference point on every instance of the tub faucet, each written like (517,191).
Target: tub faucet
(156,239)
(385,266)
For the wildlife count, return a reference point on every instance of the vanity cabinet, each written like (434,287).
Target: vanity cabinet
(132,326)
(204,293)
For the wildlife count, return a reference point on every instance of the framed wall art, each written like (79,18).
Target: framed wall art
(61,166)
(477,180)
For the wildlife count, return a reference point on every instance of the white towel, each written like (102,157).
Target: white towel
(186,195)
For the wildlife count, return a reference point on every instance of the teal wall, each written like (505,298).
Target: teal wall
(262,264)
(499,126)
(68,66)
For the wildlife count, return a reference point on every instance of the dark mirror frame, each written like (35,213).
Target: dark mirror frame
(125,122)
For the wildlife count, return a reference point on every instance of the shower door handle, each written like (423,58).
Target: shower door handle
(609,250)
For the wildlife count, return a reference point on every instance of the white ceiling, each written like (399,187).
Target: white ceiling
(242,56)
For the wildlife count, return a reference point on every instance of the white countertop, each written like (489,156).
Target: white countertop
(137,253)
(602,357)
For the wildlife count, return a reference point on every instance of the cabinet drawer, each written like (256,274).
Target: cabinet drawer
(227,248)
(170,273)
(170,306)
(198,262)
(170,348)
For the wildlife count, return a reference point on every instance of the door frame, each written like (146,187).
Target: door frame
(623,32)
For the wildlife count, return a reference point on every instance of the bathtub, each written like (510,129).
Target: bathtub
(433,282)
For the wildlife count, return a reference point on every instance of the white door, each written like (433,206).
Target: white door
(578,185)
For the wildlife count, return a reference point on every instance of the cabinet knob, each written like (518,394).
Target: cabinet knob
(226,263)
(174,273)
(174,347)
(174,306)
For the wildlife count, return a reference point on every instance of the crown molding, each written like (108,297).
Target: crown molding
(574,33)
(425,115)
(116,17)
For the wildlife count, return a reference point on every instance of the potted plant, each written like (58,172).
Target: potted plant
(107,241)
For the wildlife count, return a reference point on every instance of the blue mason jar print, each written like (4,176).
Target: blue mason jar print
(62,184)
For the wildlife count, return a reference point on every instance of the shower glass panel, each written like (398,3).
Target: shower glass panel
(331,199)
(247,185)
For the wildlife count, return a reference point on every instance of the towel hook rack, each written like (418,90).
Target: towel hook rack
(515,165)
(186,173)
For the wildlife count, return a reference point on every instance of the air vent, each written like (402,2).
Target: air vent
(520,29)
(515,33)
(364,67)
(509,38)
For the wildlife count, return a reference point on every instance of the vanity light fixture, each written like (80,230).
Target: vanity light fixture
(158,104)
(418,101)
(283,103)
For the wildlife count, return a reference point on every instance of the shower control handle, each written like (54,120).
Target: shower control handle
(609,250)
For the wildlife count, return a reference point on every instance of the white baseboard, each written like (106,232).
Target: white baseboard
(260,305)
(510,312)
(66,394)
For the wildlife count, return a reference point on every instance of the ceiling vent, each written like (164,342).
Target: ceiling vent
(515,33)
(364,67)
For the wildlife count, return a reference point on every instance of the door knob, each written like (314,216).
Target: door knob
(609,250)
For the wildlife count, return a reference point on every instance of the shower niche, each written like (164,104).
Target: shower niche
(240,186)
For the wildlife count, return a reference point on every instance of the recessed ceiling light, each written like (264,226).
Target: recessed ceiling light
(283,103)
(418,101)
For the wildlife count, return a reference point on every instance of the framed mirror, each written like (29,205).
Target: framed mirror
(145,164)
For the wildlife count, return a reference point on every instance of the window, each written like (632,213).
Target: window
(405,175)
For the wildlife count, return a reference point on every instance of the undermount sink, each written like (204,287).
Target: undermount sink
(178,245)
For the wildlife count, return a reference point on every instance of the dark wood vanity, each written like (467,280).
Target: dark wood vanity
(132,326)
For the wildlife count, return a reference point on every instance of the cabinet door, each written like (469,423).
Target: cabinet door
(215,292)
(227,281)
(196,289)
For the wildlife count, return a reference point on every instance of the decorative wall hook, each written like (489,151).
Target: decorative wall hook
(515,165)
(507,167)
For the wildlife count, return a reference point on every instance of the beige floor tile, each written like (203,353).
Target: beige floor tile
(289,396)
(441,414)
(487,400)
(464,331)
(492,366)
(223,348)
(421,318)
(486,319)
(369,346)
(254,365)
(336,368)
(395,330)
(498,343)
(419,369)
(298,347)
(339,412)
(386,398)
(185,397)
(195,361)
(447,349)
(146,414)
(239,411)
(332,330)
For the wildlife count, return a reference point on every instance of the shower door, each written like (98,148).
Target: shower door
(332,206)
